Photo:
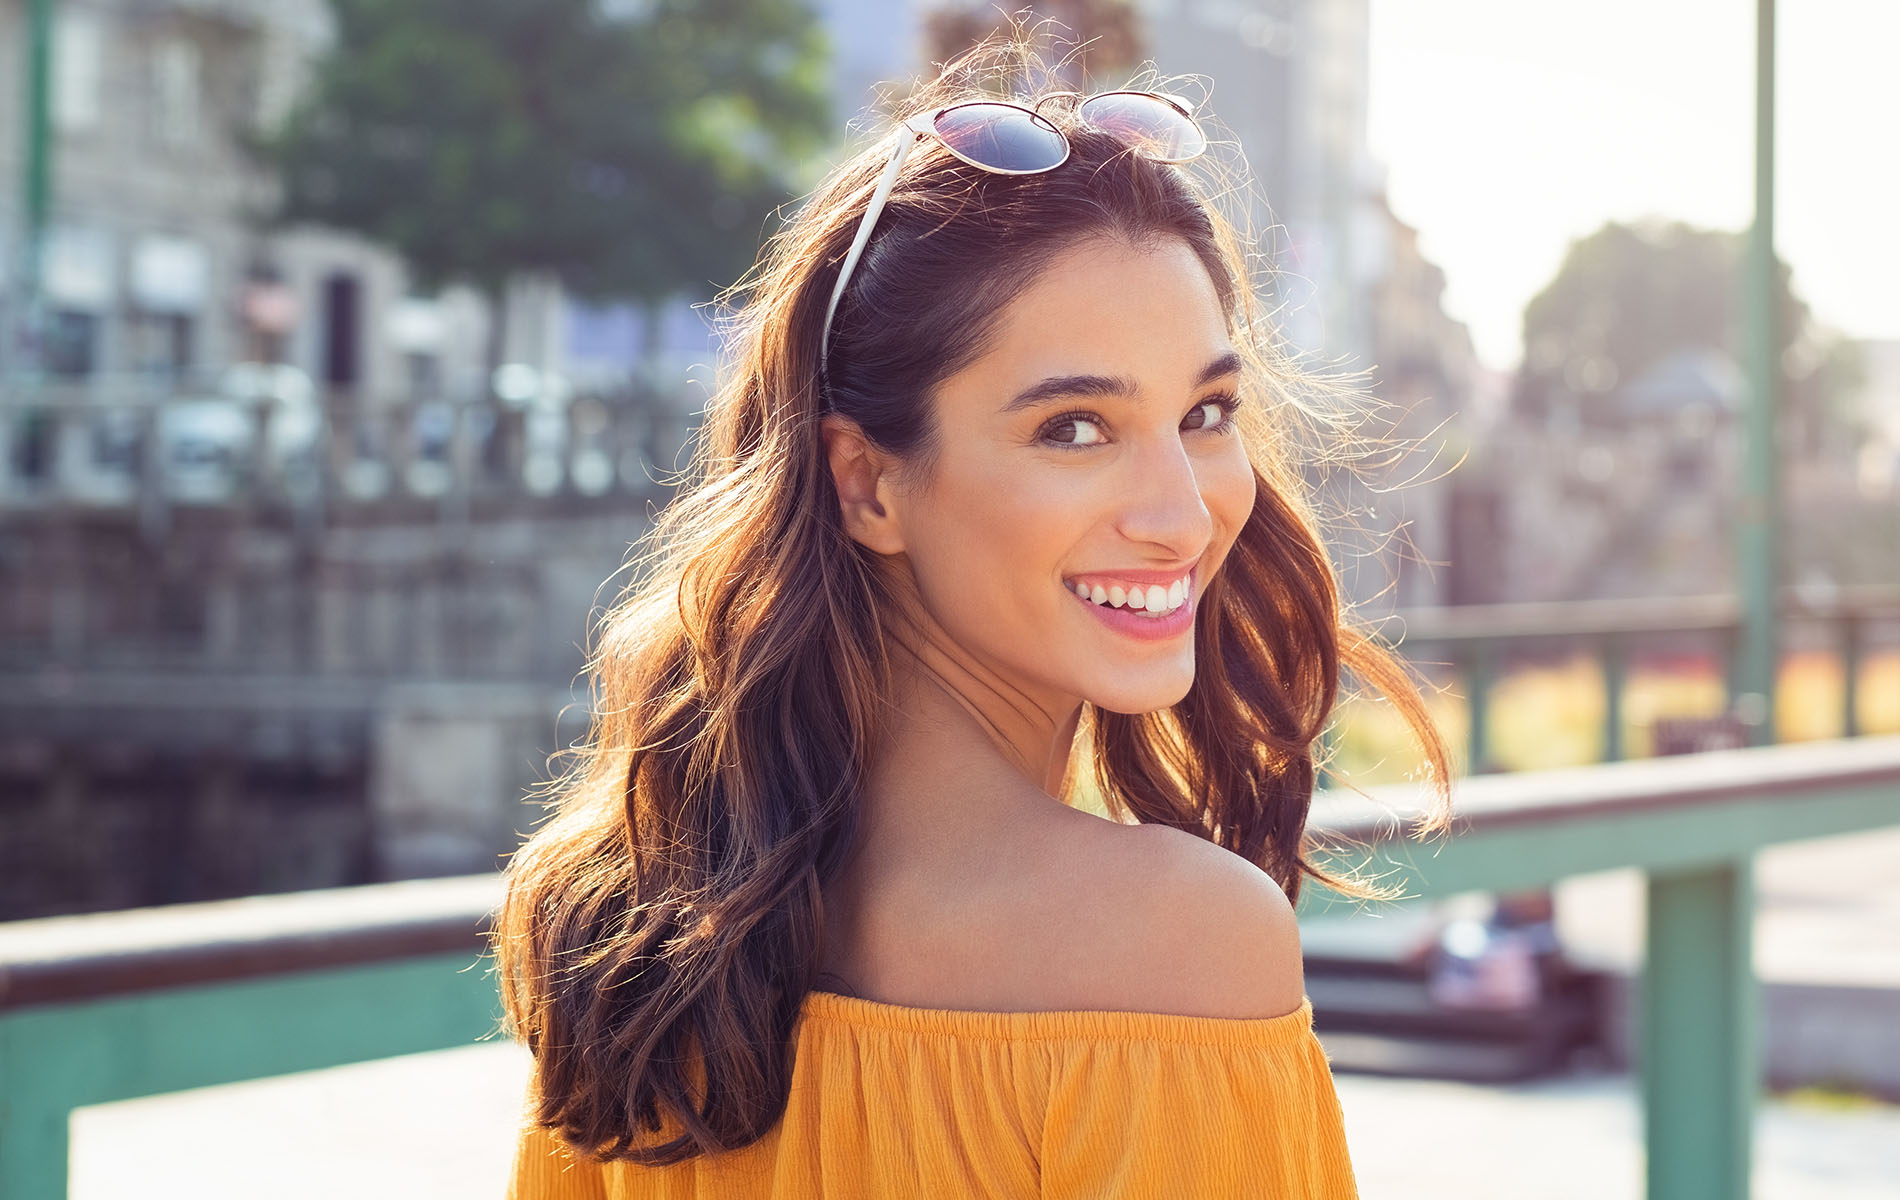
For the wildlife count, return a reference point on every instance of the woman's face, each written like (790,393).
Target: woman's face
(1091,447)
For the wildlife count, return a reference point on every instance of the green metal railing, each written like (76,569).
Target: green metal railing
(1479,638)
(1692,824)
(112,1006)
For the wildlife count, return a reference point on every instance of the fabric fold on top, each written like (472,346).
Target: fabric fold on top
(891,1100)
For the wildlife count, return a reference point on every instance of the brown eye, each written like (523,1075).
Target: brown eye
(1077,420)
(1224,405)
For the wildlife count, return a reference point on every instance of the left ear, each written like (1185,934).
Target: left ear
(861,475)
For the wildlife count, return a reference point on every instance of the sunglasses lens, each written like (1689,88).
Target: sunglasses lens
(1147,123)
(1002,137)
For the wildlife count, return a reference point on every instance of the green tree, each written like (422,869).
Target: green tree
(1631,294)
(632,148)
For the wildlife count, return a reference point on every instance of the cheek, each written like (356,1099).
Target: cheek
(1012,528)
(999,540)
(1229,488)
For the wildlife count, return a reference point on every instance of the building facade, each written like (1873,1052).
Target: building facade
(158,267)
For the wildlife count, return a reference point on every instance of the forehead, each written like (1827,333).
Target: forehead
(1147,312)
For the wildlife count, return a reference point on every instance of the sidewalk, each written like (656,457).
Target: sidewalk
(1580,1137)
(1827,911)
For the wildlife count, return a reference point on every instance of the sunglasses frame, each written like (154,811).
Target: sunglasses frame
(924,124)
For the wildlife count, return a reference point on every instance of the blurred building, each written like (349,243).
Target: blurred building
(156,265)
(1427,372)
(1879,410)
(1289,83)
(1636,501)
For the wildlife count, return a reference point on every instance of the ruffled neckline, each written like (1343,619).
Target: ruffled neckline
(1068,1025)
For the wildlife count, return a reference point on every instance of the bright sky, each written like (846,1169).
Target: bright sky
(1511,127)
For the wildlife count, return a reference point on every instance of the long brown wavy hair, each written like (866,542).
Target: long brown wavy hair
(661,930)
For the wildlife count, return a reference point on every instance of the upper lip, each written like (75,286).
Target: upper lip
(1149,575)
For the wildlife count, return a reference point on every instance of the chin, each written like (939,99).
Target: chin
(1133,701)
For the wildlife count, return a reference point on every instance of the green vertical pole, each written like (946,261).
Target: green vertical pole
(1756,551)
(1478,706)
(1698,1027)
(1615,672)
(1850,674)
(37,171)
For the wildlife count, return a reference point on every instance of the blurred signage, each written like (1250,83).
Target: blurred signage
(76,268)
(169,274)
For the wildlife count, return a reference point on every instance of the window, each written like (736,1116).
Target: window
(158,345)
(177,70)
(78,49)
(71,344)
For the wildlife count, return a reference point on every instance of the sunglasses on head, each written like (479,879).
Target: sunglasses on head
(1010,139)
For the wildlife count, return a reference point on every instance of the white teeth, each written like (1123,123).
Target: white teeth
(1153,599)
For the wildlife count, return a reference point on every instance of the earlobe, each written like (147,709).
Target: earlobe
(857,471)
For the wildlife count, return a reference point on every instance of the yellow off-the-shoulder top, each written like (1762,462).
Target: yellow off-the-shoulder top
(894,1101)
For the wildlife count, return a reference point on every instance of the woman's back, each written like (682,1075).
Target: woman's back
(1114,1022)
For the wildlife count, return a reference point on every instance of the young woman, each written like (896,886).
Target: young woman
(945,803)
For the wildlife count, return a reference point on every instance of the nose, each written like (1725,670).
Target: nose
(1165,506)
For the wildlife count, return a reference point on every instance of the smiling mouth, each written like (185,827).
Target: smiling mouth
(1152,602)
(1151,597)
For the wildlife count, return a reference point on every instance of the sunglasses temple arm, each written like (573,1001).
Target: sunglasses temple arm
(871,211)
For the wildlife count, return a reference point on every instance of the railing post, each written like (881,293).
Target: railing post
(1615,669)
(1758,552)
(33,1154)
(1700,1065)
(34,1119)
(1478,704)
(1850,673)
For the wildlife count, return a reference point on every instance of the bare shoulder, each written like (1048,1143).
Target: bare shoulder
(1206,933)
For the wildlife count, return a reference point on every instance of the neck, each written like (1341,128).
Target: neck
(966,755)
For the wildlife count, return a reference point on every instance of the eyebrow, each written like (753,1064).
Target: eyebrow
(1108,385)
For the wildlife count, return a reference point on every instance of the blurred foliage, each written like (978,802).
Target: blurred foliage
(633,148)
(1081,39)
(1629,295)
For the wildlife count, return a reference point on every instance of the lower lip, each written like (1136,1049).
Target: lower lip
(1148,629)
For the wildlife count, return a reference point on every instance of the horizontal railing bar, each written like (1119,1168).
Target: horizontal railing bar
(1664,838)
(53,960)
(1548,796)
(1597,618)
(197,691)
(201,1035)
(1510,830)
